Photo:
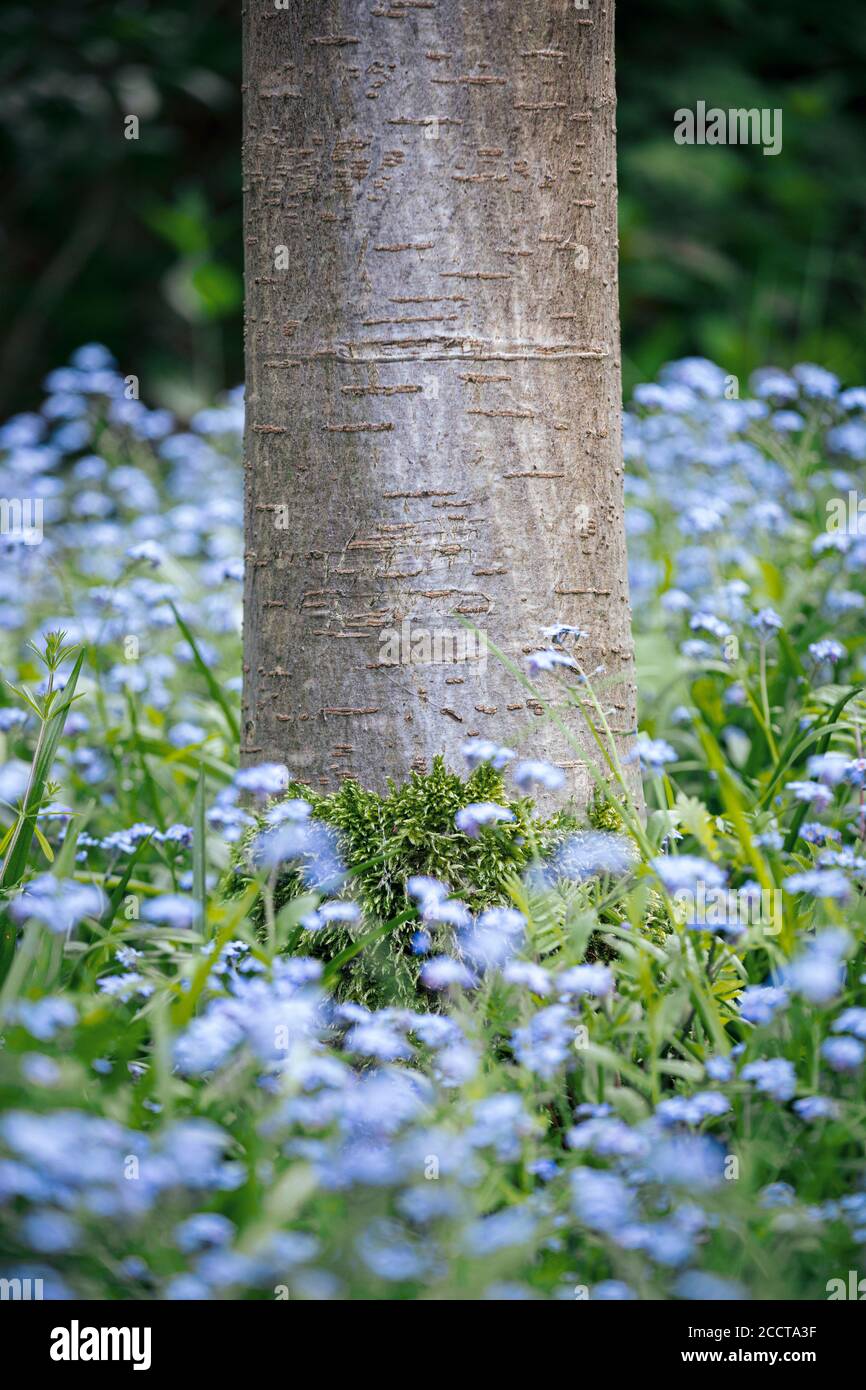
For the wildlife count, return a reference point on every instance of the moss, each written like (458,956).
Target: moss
(603,813)
(385,839)
(657,922)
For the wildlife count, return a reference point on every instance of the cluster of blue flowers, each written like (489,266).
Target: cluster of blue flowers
(197,1114)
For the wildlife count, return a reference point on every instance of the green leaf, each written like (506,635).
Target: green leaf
(65,864)
(199,848)
(43,844)
(824,744)
(219,288)
(120,887)
(15,863)
(695,818)
(185,1004)
(213,685)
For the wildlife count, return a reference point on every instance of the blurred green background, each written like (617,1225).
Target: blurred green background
(745,258)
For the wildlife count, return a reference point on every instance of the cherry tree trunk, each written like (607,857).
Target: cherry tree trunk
(433,461)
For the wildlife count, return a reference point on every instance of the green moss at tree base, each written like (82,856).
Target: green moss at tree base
(384,840)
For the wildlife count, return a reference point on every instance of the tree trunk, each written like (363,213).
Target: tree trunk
(433,378)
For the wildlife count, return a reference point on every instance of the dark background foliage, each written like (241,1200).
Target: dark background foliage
(745,258)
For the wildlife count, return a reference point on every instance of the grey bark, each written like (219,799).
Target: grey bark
(433,377)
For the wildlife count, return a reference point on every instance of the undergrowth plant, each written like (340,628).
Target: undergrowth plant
(383,841)
(262,1043)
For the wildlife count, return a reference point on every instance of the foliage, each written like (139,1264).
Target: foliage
(137,240)
(723,250)
(383,841)
(192,1107)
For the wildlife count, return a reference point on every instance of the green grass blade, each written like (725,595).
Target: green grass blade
(216,691)
(199,848)
(15,863)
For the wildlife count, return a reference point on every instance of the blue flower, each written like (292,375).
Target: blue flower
(44,1018)
(500,1122)
(843,1054)
(187,1288)
(773,1076)
(827,650)
(11,718)
(816,1108)
(719,1068)
(530,773)
(594,980)
(591,852)
(608,1137)
(473,818)
(524,972)
(851,1021)
(185,733)
(787,421)
(171,910)
(296,810)
(767,623)
(692,1110)
(308,844)
(423,889)
(818,972)
(389,1253)
(814,833)
(675,601)
(206,1230)
(848,438)
(701,1286)
(379,1037)
(47,1232)
(818,978)
(602,1201)
(697,374)
(683,872)
(445,912)
(542,1046)
(855,772)
(266,779)
(557,631)
(708,622)
(442,972)
(812,793)
(652,753)
(815,381)
(676,400)
(613,1291)
(40,1070)
(92,357)
(544,1168)
(327,913)
(550,660)
(477,751)
(688,1160)
(58,903)
(500,1231)
(494,938)
(819,883)
(457,1065)
(125,987)
(149,551)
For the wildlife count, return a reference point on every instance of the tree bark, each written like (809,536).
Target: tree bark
(433,378)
